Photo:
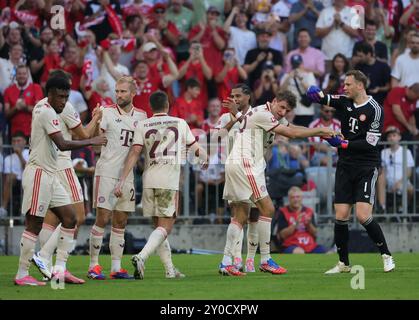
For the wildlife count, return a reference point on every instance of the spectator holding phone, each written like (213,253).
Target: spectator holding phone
(230,75)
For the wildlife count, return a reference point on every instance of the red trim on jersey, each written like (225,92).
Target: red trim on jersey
(117,108)
(76,126)
(35,191)
(50,134)
(273,127)
(159,114)
(137,144)
(251,178)
(72,184)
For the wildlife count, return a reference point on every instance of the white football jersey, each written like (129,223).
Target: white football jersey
(164,140)
(255,135)
(43,151)
(118,127)
(70,120)
(227,117)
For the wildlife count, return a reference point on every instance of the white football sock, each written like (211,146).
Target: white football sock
(252,240)
(264,231)
(237,251)
(95,244)
(116,246)
(233,236)
(154,241)
(165,253)
(48,247)
(27,249)
(63,247)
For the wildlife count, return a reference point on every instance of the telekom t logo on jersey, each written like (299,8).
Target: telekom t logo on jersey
(126,137)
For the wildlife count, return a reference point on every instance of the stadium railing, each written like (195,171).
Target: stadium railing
(213,210)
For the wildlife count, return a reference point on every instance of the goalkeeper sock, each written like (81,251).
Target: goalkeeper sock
(376,234)
(252,239)
(342,239)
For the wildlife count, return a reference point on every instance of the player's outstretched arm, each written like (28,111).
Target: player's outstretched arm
(302,132)
(65,145)
(315,94)
(130,161)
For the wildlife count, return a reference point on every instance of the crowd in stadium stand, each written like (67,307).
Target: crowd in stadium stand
(196,51)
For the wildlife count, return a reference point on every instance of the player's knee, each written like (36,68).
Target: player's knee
(69,221)
(80,220)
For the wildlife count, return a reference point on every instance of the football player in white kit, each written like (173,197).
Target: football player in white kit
(42,189)
(118,124)
(245,177)
(164,140)
(48,237)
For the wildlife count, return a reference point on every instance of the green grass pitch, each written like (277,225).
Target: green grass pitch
(305,280)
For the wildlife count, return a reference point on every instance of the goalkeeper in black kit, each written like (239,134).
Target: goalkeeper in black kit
(357,168)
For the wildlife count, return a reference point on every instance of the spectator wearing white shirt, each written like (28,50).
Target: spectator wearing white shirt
(14,164)
(241,38)
(390,181)
(406,67)
(77,100)
(335,29)
(298,81)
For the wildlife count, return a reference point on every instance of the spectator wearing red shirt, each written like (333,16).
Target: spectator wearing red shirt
(146,85)
(188,106)
(52,60)
(213,39)
(73,64)
(230,75)
(196,67)
(410,17)
(214,110)
(399,109)
(19,100)
(168,30)
(296,226)
(161,65)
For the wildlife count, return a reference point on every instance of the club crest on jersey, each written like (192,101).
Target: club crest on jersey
(55,122)
(375,125)
(263,188)
(41,208)
(135,124)
(362,117)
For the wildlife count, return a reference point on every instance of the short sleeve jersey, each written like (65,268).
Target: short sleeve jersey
(255,135)
(164,140)
(43,151)
(118,127)
(69,120)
